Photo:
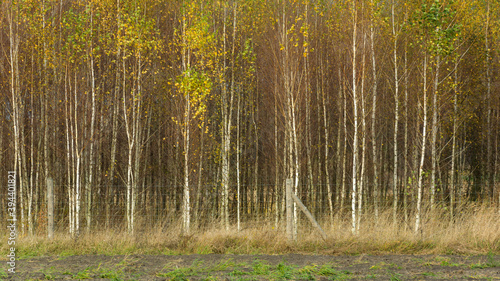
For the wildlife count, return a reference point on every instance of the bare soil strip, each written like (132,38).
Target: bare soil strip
(257,267)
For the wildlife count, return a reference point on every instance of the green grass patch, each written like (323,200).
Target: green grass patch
(237,272)
(256,270)
(183,272)
(445,261)
(84,274)
(441,261)
(260,268)
(50,273)
(490,263)
(115,273)
(3,274)
(395,276)
(283,271)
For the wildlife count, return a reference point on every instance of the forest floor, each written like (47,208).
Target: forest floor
(256,267)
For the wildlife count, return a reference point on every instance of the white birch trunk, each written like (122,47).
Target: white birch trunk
(422,155)
(310,184)
(339,161)
(14,88)
(363,139)
(355,120)
(374,119)
(77,152)
(276,155)
(406,187)
(453,142)
(89,182)
(137,135)
(396,120)
(186,134)
(327,145)
(68,154)
(114,137)
(434,134)
(237,120)
(129,129)
(226,132)
(32,165)
(186,209)
(238,183)
(344,154)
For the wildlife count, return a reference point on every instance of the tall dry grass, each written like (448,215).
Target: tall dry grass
(474,230)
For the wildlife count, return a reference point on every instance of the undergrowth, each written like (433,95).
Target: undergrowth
(475,230)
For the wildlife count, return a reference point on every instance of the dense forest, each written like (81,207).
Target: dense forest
(196,112)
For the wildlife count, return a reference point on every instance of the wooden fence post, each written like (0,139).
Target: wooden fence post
(50,208)
(309,215)
(289,210)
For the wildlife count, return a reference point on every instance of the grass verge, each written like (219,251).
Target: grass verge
(475,230)
(256,271)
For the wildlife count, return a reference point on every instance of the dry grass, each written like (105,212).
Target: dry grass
(476,230)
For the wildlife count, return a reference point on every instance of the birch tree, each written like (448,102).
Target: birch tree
(137,39)
(437,24)
(194,82)
(355,117)
(395,35)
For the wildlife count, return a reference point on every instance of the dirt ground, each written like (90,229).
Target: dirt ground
(256,267)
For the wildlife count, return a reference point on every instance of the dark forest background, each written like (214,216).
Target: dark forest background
(145,111)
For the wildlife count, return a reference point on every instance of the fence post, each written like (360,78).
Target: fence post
(289,210)
(50,208)
(308,215)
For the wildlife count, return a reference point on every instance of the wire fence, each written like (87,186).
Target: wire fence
(162,206)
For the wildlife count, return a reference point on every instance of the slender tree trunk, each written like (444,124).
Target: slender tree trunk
(327,145)
(186,206)
(12,17)
(129,129)
(489,151)
(110,190)
(44,106)
(339,161)
(233,53)
(453,142)
(363,139)
(186,214)
(374,120)
(396,119)
(137,134)
(89,182)
(276,148)
(308,130)
(415,154)
(344,153)
(434,134)
(289,78)
(406,188)
(355,120)
(68,153)
(226,133)
(422,155)
(238,169)
(200,188)
(32,166)
(77,152)
(255,181)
